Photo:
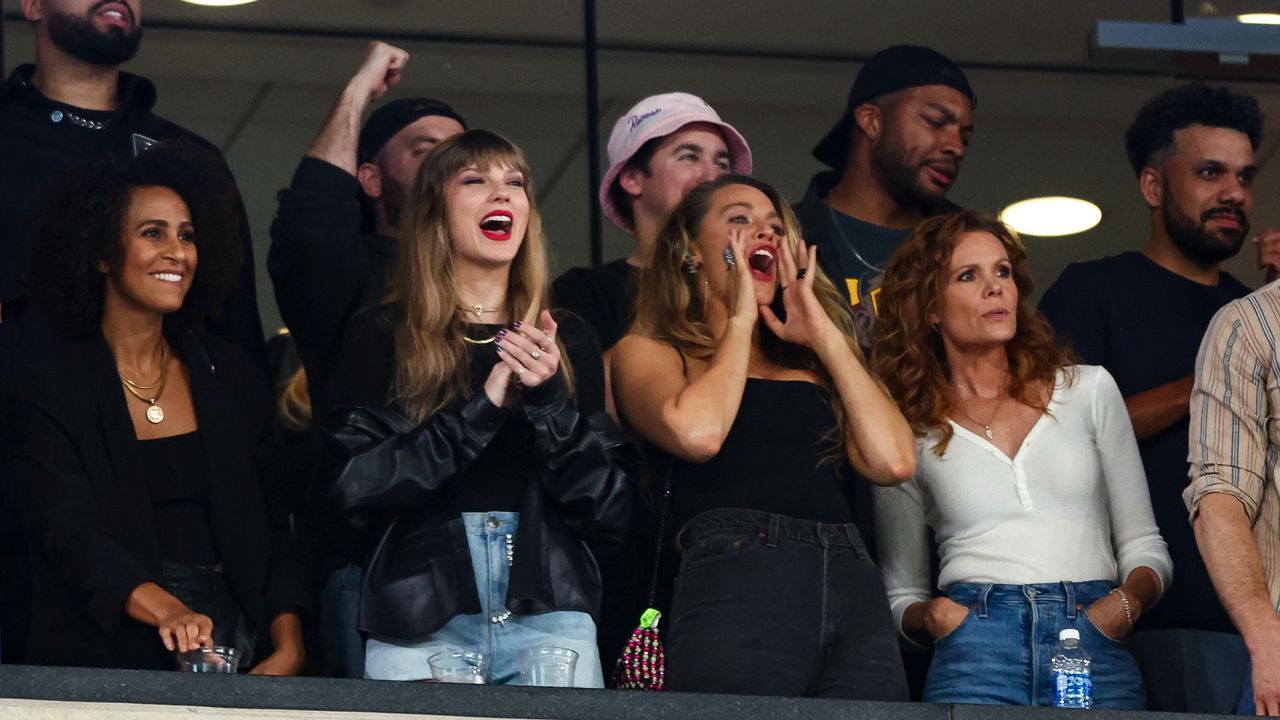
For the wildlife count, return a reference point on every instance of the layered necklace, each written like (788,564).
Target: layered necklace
(155,413)
(479,311)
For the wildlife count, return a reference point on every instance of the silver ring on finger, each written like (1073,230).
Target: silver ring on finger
(535,355)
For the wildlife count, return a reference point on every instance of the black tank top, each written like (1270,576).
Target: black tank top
(780,456)
(179,484)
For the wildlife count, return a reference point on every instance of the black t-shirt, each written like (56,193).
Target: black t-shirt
(864,251)
(604,296)
(1144,323)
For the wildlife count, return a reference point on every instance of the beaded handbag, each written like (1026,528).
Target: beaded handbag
(643,662)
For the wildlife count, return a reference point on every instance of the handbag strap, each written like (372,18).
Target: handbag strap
(664,507)
(664,502)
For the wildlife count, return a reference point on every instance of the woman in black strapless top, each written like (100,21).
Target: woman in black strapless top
(742,365)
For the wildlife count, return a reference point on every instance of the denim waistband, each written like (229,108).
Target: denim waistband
(981,595)
(490,523)
(773,527)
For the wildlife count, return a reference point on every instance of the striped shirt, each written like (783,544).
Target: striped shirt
(1234,438)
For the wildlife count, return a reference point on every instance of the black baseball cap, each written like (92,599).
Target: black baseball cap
(395,116)
(890,70)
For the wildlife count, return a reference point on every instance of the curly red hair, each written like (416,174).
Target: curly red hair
(908,354)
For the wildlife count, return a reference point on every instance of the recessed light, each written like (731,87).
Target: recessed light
(219,3)
(1052,216)
(1259,18)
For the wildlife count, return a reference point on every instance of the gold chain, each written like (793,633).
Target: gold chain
(155,414)
(986,426)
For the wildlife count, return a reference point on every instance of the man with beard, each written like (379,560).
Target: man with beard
(334,239)
(1141,315)
(894,154)
(336,229)
(68,109)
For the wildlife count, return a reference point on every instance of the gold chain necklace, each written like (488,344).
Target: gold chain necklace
(986,426)
(480,310)
(155,414)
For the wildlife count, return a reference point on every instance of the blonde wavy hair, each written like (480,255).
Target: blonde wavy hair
(432,358)
(294,405)
(671,302)
(907,350)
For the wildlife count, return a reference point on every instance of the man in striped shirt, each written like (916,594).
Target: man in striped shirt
(1233,497)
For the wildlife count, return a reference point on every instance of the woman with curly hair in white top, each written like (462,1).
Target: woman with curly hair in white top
(1027,471)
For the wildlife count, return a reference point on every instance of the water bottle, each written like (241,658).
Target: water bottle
(1072,687)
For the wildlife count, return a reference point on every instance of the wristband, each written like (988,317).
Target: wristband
(1124,602)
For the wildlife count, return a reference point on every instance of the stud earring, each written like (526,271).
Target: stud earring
(688,265)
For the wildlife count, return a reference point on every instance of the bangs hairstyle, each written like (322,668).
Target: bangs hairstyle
(671,304)
(78,227)
(432,359)
(908,353)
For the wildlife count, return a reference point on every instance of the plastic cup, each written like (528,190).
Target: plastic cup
(216,659)
(459,666)
(547,666)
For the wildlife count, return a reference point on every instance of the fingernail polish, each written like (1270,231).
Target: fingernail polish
(501,334)
(516,324)
(496,346)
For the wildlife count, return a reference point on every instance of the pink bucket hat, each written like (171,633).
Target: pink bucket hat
(658,116)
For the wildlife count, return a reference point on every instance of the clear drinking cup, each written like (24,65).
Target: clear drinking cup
(547,666)
(459,666)
(216,659)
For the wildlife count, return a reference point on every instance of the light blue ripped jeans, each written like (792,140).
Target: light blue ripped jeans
(495,632)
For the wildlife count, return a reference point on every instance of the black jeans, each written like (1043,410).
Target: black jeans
(771,605)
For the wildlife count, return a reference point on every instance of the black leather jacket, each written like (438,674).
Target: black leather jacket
(419,575)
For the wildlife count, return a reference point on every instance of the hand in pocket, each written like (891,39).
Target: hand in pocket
(944,615)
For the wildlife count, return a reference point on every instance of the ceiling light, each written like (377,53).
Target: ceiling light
(1052,216)
(219,3)
(1259,18)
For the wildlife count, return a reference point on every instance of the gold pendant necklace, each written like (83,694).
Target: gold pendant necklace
(155,413)
(986,426)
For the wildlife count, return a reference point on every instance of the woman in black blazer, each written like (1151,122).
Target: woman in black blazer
(133,441)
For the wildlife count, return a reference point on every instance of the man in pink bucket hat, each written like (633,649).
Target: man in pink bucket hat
(659,150)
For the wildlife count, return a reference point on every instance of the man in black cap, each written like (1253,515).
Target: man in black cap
(336,228)
(894,154)
(333,242)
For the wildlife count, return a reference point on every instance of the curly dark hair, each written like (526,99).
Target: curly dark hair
(908,354)
(78,223)
(1151,135)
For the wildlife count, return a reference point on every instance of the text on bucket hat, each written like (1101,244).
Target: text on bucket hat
(658,116)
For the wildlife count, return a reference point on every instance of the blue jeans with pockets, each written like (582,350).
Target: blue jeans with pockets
(999,654)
